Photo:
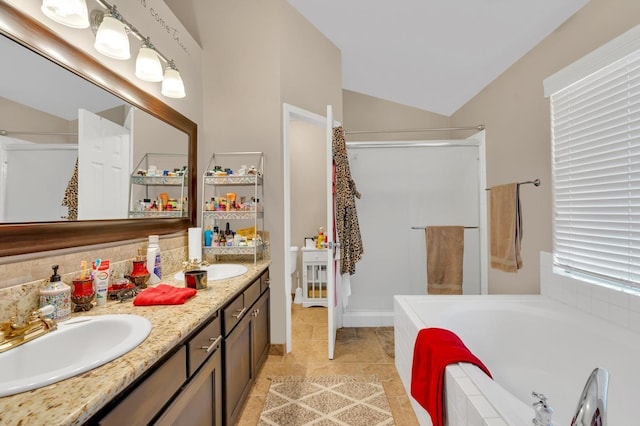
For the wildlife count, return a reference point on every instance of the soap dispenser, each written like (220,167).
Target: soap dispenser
(58,295)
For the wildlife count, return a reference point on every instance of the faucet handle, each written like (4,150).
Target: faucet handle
(543,411)
(540,397)
(44,311)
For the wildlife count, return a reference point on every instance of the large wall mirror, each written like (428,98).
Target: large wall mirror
(55,116)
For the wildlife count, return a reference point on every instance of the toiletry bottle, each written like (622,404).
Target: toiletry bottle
(101,272)
(320,238)
(153,260)
(208,237)
(57,294)
(216,236)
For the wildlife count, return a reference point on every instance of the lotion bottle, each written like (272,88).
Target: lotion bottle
(320,239)
(58,295)
(153,260)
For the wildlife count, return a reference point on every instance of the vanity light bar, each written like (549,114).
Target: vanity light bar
(170,71)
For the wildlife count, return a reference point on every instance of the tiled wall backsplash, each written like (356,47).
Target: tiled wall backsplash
(621,307)
(20,281)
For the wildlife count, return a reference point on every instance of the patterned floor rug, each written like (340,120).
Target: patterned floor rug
(326,401)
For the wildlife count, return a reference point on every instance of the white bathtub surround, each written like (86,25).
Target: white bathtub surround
(619,306)
(529,343)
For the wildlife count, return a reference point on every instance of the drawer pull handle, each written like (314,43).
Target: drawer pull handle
(239,313)
(255,312)
(215,343)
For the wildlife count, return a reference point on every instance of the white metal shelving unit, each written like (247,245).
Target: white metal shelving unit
(247,185)
(149,187)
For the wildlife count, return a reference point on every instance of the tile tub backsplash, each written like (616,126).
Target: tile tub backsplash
(621,307)
(20,281)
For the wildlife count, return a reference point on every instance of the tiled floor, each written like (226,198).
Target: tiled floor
(359,351)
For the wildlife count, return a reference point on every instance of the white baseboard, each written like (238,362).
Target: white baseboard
(367,319)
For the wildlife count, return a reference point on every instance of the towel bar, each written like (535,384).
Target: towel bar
(535,182)
(424,227)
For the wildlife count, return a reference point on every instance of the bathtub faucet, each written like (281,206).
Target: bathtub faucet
(592,405)
(542,409)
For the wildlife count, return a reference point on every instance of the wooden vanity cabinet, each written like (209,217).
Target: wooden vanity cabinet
(206,379)
(185,389)
(140,406)
(246,344)
(200,401)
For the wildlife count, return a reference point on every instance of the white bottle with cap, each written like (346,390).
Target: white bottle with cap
(153,260)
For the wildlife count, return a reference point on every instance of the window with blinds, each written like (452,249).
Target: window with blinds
(596,173)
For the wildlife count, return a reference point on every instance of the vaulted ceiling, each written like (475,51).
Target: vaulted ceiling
(432,54)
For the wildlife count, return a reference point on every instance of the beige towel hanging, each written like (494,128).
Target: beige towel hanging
(505,227)
(445,251)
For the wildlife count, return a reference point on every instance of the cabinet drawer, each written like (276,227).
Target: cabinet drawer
(314,256)
(264,281)
(252,293)
(204,344)
(141,405)
(233,313)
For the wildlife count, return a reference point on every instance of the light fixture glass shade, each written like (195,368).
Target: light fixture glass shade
(172,85)
(72,13)
(148,66)
(112,39)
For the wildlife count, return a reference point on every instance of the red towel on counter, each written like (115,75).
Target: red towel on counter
(164,294)
(435,348)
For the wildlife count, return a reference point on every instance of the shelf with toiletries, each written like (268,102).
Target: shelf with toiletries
(232,214)
(158,186)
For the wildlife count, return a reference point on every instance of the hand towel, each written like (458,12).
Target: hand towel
(164,294)
(506,227)
(435,348)
(445,251)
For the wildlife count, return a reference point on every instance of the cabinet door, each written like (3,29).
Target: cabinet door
(148,398)
(200,402)
(238,371)
(261,331)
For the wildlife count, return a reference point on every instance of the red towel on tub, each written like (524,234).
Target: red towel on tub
(164,294)
(435,348)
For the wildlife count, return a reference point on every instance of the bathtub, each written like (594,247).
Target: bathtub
(529,343)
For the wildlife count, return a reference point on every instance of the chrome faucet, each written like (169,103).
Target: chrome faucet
(543,411)
(592,405)
(13,335)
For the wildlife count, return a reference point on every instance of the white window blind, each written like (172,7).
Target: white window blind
(596,173)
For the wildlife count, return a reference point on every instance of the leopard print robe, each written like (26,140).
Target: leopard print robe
(70,199)
(346,217)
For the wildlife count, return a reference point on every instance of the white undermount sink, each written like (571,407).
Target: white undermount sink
(219,271)
(78,345)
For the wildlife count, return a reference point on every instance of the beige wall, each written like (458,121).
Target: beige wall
(363,112)
(517,118)
(251,67)
(18,117)
(308,189)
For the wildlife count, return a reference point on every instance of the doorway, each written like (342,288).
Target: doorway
(304,191)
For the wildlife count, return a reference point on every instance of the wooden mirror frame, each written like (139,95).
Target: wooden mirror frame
(29,237)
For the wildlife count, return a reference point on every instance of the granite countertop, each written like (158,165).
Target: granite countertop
(73,401)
